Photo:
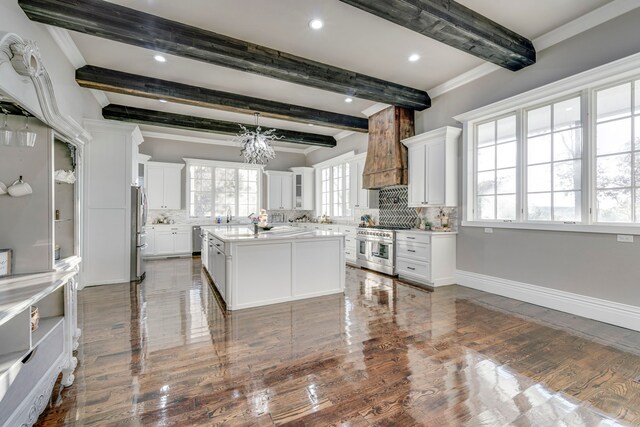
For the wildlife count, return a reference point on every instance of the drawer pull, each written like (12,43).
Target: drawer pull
(411,238)
(410,250)
(411,268)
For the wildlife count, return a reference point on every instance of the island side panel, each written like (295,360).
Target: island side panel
(318,268)
(262,274)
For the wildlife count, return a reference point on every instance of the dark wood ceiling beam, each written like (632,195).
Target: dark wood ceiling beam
(179,121)
(132,84)
(458,26)
(114,22)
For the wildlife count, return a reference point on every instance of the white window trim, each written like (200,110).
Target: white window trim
(329,163)
(220,164)
(586,83)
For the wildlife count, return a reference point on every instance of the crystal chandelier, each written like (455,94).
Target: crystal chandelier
(256,145)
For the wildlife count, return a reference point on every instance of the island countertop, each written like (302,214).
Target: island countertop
(243,234)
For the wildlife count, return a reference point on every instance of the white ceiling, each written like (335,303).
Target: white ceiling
(350,39)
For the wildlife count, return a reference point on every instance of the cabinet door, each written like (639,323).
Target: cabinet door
(155,187)
(275,192)
(435,177)
(164,242)
(298,190)
(417,173)
(172,188)
(287,192)
(220,269)
(182,242)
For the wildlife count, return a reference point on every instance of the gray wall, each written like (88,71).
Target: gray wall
(588,264)
(162,150)
(356,142)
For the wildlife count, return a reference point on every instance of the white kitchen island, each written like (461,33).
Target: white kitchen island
(283,264)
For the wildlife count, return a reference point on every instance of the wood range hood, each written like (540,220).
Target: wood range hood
(386,164)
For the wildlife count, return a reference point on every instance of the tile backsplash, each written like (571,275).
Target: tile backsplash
(394,209)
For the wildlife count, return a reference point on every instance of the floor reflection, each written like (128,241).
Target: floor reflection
(386,352)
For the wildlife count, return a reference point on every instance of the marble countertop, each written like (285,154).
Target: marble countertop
(244,234)
(418,231)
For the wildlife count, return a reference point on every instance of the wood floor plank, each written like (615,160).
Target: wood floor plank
(385,353)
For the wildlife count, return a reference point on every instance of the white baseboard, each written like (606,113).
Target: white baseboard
(627,316)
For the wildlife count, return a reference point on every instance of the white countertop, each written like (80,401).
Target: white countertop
(243,234)
(430,232)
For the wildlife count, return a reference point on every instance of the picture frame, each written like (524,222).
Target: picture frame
(6,262)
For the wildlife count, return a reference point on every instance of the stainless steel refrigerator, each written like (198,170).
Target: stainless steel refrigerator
(138,235)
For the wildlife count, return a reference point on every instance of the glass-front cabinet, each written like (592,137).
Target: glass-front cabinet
(303,188)
(64,200)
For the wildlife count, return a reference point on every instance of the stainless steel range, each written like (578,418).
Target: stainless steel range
(376,248)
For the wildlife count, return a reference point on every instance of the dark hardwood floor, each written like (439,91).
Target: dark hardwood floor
(384,353)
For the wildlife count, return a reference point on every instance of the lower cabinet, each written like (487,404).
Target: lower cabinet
(425,257)
(167,240)
(216,265)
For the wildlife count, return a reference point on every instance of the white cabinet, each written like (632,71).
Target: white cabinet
(361,198)
(164,185)
(425,257)
(303,186)
(163,240)
(433,168)
(279,190)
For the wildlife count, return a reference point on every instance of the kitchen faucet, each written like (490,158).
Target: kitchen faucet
(229,216)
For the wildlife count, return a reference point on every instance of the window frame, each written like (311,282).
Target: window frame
(586,84)
(344,161)
(226,165)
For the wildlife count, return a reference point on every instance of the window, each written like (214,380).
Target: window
(617,138)
(565,156)
(216,189)
(335,190)
(496,157)
(554,162)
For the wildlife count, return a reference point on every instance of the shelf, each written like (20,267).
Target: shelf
(46,325)
(7,361)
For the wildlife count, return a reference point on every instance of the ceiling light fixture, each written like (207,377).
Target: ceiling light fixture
(316,24)
(160,58)
(414,57)
(348,100)
(256,145)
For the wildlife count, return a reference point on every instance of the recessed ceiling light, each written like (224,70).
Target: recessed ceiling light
(316,24)
(162,100)
(310,124)
(160,58)
(568,109)
(414,57)
(348,100)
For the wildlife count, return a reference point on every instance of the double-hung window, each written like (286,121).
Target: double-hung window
(217,188)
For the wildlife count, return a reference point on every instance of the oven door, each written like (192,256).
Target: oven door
(362,248)
(381,252)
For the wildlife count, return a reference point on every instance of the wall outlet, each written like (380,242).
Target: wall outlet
(488,230)
(623,238)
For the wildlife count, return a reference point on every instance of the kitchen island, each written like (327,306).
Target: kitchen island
(279,265)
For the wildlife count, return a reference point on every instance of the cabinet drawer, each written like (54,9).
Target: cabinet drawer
(415,269)
(350,242)
(31,371)
(349,231)
(410,249)
(413,237)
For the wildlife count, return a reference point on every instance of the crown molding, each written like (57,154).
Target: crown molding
(579,25)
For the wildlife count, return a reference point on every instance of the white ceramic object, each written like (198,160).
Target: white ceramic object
(19,188)
(3,188)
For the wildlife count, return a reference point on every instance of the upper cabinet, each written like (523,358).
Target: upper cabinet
(279,190)
(303,180)
(164,185)
(433,167)
(361,198)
